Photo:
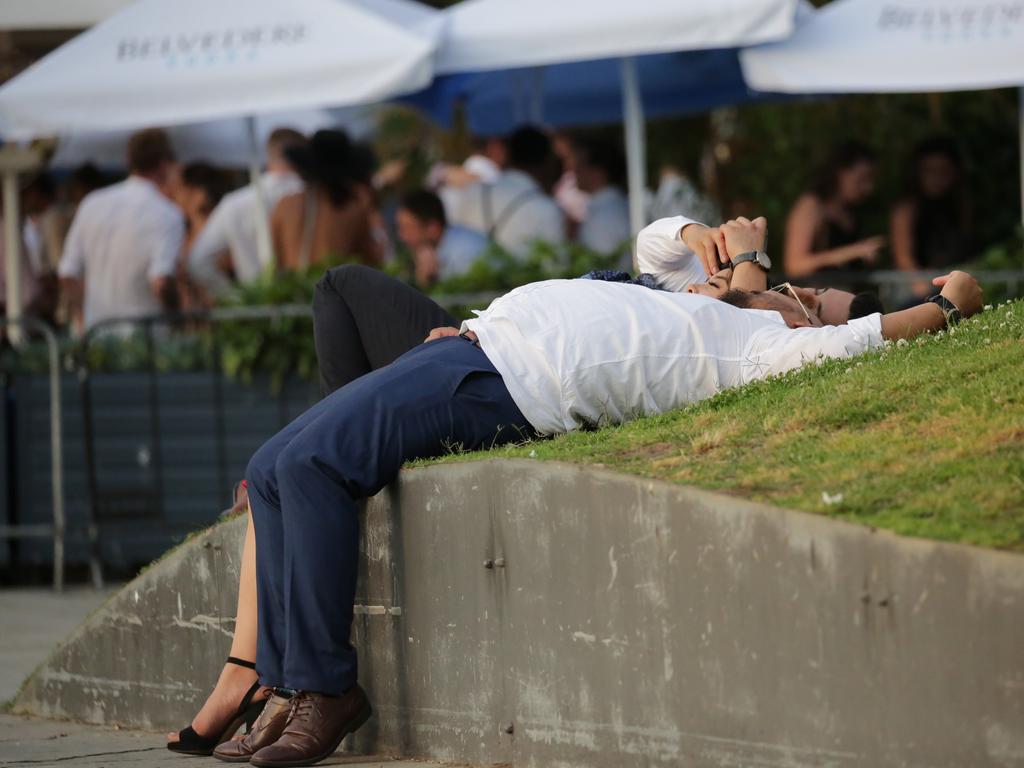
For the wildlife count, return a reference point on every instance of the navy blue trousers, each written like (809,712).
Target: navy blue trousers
(305,484)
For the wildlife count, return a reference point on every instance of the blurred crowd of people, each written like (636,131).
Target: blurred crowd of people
(930,227)
(177,237)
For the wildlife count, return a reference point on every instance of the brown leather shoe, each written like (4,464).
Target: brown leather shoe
(315,729)
(265,731)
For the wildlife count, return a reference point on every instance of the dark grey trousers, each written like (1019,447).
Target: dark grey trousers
(364,320)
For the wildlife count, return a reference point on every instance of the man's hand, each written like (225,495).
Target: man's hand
(441,333)
(709,245)
(743,235)
(958,287)
(963,290)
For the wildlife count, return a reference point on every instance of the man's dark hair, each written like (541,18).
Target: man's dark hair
(529,148)
(738,298)
(606,155)
(864,304)
(148,150)
(282,138)
(88,177)
(425,206)
(213,181)
(43,185)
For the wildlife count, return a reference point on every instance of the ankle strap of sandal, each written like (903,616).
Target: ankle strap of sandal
(241,662)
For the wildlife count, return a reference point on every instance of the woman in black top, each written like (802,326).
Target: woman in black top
(822,230)
(931,226)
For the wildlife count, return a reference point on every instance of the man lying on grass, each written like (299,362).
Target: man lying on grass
(546,358)
(685,255)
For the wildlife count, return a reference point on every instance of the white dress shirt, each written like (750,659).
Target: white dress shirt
(483,168)
(586,352)
(520,212)
(233,226)
(660,251)
(458,249)
(606,227)
(122,237)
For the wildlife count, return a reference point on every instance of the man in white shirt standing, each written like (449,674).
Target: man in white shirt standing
(439,250)
(517,209)
(601,172)
(229,243)
(120,253)
(548,357)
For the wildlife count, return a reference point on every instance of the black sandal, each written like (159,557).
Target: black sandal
(191,743)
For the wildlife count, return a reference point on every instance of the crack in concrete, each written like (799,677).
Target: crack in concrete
(82,757)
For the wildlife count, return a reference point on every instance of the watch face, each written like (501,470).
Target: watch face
(763,260)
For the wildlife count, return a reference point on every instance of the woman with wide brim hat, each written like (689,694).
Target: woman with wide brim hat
(332,219)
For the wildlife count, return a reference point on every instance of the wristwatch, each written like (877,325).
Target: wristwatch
(758,257)
(949,309)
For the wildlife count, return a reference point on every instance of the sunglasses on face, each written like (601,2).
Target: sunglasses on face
(788,288)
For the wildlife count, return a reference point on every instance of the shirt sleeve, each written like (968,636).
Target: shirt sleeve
(72,258)
(661,252)
(780,349)
(167,241)
(212,241)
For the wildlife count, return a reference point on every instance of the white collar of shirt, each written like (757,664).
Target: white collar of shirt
(143,184)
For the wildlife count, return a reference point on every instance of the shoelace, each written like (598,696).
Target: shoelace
(303,707)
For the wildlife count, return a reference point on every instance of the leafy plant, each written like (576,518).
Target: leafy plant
(280,347)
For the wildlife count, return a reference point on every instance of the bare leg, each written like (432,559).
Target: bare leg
(234,681)
(362,321)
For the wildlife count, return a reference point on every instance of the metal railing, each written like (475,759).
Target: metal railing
(56,530)
(104,507)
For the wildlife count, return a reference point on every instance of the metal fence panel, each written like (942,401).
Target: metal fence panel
(5,510)
(33,464)
(196,484)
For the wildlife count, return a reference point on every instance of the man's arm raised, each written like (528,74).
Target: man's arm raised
(958,287)
(741,235)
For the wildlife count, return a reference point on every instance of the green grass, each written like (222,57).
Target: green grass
(924,438)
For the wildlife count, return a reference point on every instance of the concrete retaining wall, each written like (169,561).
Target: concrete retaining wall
(536,614)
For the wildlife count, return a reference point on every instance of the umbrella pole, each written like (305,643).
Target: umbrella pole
(636,151)
(537,96)
(12,251)
(263,241)
(1020,139)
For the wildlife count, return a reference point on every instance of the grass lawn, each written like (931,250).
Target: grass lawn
(924,438)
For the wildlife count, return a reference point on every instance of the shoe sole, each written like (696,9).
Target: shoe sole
(239,759)
(354,725)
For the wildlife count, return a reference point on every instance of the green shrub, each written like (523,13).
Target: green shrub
(280,347)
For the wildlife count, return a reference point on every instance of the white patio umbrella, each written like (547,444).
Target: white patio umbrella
(486,35)
(877,46)
(222,142)
(170,62)
(56,14)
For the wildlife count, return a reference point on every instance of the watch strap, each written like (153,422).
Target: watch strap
(754,256)
(949,309)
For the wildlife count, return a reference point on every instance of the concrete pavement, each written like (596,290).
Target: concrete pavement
(32,623)
(31,743)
